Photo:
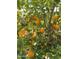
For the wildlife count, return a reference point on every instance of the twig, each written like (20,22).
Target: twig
(52,13)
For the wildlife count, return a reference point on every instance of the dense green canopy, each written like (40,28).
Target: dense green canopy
(39,29)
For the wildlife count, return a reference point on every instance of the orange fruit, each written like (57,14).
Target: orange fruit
(55,26)
(42,30)
(34,17)
(23,32)
(30,53)
(33,34)
(38,22)
(55,17)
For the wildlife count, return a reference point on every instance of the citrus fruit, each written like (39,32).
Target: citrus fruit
(42,30)
(30,53)
(23,32)
(55,17)
(55,26)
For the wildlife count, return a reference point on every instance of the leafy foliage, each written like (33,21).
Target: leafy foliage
(38,29)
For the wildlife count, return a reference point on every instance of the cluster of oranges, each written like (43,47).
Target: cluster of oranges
(23,32)
(55,26)
(41,30)
(37,20)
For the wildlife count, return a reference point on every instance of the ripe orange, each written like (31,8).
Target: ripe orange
(42,30)
(38,22)
(23,32)
(55,26)
(55,17)
(34,17)
(30,53)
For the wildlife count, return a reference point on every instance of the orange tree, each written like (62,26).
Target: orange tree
(38,29)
